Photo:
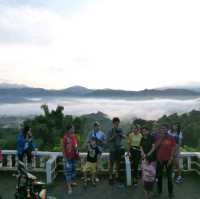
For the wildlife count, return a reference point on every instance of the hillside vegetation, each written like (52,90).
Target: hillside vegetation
(49,127)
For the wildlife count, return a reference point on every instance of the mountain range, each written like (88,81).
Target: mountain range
(19,92)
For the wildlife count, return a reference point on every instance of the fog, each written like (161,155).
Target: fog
(125,109)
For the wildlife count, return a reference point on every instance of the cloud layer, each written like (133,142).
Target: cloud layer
(125,109)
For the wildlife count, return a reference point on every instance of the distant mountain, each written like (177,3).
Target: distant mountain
(191,86)
(22,94)
(77,90)
(7,85)
(143,93)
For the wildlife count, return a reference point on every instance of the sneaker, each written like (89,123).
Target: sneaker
(157,195)
(85,184)
(97,179)
(74,184)
(69,192)
(171,196)
(120,186)
(93,183)
(29,167)
(111,182)
(135,184)
(179,179)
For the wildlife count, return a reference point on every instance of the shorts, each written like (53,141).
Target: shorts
(69,169)
(116,155)
(148,186)
(90,167)
(177,152)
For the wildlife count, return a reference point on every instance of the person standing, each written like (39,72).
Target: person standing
(70,150)
(165,147)
(100,138)
(91,163)
(178,136)
(114,140)
(134,139)
(147,146)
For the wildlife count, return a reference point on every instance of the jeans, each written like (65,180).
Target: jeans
(29,156)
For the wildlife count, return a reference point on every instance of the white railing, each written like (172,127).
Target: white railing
(190,161)
(52,163)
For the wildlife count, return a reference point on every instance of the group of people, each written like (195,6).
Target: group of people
(155,150)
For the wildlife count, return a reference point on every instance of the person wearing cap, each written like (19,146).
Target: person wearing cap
(100,138)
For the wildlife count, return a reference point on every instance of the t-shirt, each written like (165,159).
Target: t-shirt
(164,150)
(148,171)
(116,142)
(92,154)
(134,139)
(100,138)
(146,144)
(69,145)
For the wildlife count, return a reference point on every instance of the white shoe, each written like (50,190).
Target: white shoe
(69,192)
(179,179)
(97,179)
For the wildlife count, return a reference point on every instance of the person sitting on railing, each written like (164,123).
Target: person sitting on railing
(114,139)
(25,145)
(91,163)
(100,138)
(70,153)
(29,148)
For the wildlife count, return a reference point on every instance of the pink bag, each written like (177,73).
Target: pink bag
(1,156)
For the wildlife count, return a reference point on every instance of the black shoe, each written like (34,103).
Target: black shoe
(171,196)
(85,185)
(157,195)
(111,182)
(135,183)
(94,184)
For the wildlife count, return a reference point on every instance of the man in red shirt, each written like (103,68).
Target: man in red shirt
(165,145)
(70,155)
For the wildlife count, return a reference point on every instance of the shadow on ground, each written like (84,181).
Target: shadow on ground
(189,189)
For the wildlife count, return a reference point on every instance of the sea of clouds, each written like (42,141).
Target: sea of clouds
(125,109)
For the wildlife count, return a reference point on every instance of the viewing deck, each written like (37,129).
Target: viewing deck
(48,166)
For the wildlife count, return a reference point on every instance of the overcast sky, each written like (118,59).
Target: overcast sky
(120,44)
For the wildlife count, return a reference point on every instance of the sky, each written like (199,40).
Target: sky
(116,44)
